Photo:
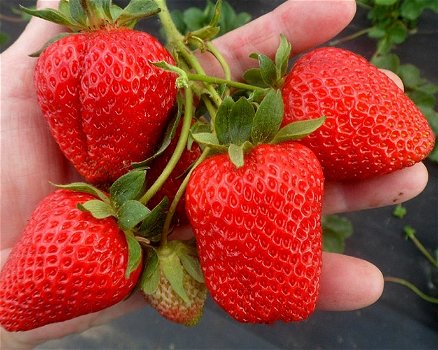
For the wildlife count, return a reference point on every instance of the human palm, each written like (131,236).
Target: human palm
(31,160)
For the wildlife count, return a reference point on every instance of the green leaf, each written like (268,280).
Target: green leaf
(268,70)
(98,208)
(192,266)
(131,213)
(152,225)
(234,121)
(397,33)
(210,140)
(399,211)
(282,56)
(236,155)
(150,277)
(86,188)
(336,230)
(134,253)
(174,272)
(127,187)
(77,12)
(388,61)
(51,15)
(298,130)
(137,9)
(268,118)
(410,75)
(253,76)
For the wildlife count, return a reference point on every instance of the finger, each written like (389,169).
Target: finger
(379,191)
(304,23)
(394,77)
(36,33)
(348,283)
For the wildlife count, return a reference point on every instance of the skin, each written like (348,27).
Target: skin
(31,158)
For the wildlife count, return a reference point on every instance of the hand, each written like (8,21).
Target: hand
(32,158)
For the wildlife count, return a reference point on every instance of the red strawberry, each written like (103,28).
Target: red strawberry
(105,102)
(66,264)
(258,231)
(372,127)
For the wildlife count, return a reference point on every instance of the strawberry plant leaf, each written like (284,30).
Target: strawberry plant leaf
(137,9)
(127,187)
(210,140)
(336,230)
(86,188)
(131,213)
(150,277)
(192,266)
(236,155)
(268,70)
(174,272)
(77,12)
(297,130)
(51,15)
(253,76)
(234,121)
(282,57)
(268,117)
(134,253)
(152,225)
(98,208)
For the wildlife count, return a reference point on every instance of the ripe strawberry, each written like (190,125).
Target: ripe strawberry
(104,101)
(170,305)
(258,231)
(66,264)
(372,127)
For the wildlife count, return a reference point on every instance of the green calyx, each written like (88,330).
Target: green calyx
(243,124)
(172,261)
(86,15)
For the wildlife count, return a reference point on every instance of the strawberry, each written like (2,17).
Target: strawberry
(173,284)
(66,264)
(170,305)
(372,127)
(258,231)
(104,100)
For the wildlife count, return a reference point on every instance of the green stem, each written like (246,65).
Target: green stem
(175,39)
(413,288)
(220,58)
(350,37)
(215,80)
(422,249)
(178,196)
(179,149)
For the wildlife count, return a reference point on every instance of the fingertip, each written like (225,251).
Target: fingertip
(394,77)
(348,283)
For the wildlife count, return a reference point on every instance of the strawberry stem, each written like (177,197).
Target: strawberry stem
(410,233)
(413,288)
(180,146)
(178,196)
(215,80)
(176,39)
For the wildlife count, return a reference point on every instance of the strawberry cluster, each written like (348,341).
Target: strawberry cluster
(161,144)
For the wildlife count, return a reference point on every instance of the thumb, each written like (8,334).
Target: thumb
(37,32)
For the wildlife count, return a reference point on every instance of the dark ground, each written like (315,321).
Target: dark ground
(399,320)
